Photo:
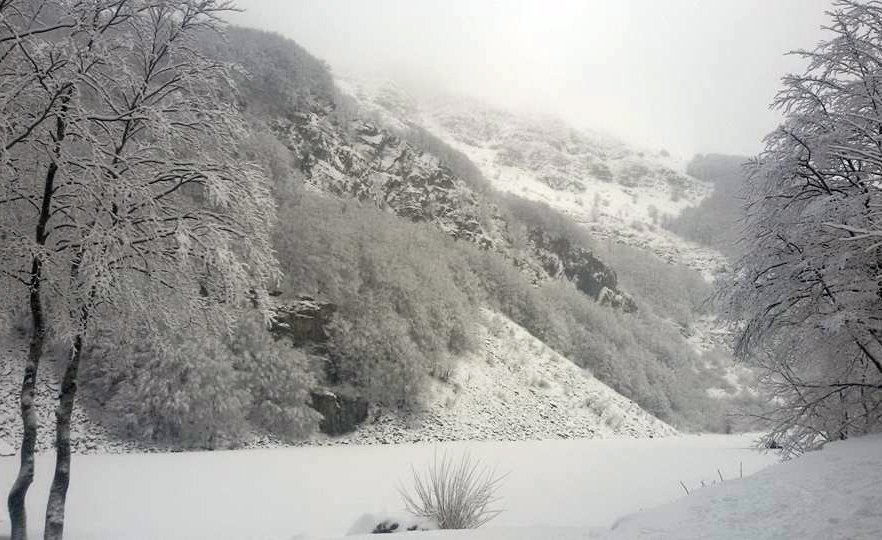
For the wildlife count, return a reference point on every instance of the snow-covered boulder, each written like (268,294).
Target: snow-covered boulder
(390,523)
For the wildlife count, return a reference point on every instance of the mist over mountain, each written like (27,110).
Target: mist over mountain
(563,256)
(682,75)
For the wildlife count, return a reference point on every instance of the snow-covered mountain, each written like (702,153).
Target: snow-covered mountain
(415,161)
(367,160)
(617,191)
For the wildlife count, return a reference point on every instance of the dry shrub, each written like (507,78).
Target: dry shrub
(457,494)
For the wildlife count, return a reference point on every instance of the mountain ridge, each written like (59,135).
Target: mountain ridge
(618,192)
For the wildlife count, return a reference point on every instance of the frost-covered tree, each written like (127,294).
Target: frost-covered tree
(808,290)
(123,188)
(40,61)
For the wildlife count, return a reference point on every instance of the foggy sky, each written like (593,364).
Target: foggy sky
(686,75)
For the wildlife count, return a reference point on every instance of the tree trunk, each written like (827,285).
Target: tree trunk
(16,500)
(54,529)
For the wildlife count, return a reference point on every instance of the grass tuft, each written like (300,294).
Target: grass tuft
(456,493)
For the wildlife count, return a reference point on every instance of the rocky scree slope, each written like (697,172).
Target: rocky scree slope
(512,388)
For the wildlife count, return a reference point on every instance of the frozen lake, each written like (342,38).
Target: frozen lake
(321,491)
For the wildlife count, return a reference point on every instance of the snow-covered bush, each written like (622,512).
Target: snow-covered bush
(186,392)
(199,390)
(457,494)
(406,305)
(377,354)
(676,291)
(277,379)
(642,356)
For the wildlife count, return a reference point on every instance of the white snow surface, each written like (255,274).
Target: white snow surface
(556,490)
(834,493)
(831,494)
(319,492)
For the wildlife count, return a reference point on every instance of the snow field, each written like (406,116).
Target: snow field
(832,494)
(321,491)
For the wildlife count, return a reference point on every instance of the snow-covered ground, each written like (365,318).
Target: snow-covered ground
(322,491)
(833,494)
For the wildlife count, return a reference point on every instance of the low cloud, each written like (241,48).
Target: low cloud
(686,75)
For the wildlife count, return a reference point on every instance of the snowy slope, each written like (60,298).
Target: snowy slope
(619,192)
(512,388)
(829,494)
(321,491)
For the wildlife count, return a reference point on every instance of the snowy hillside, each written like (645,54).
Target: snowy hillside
(515,388)
(617,191)
(512,388)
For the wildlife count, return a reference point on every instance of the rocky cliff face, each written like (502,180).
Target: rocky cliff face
(618,192)
(561,258)
(363,160)
(303,322)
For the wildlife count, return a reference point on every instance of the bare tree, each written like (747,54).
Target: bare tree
(147,206)
(808,288)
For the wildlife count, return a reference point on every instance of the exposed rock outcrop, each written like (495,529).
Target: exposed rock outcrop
(369,163)
(340,414)
(561,258)
(303,321)
(359,159)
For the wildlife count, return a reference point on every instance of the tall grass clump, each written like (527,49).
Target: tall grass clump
(457,494)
